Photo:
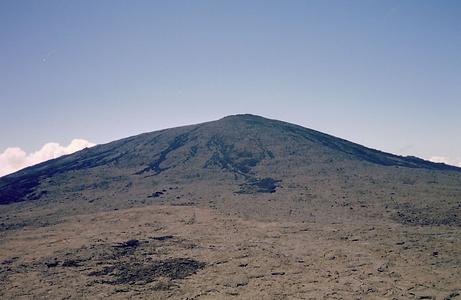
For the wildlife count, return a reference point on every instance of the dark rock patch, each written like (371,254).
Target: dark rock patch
(70,263)
(52,263)
(130,273)
(129,262)
(155,195)
(265,185)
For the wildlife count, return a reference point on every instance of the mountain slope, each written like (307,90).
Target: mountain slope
(304,174)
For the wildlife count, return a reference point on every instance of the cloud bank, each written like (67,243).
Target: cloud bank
(439,159)
(443,159)
(14,158)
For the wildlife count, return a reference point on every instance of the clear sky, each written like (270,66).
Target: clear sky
(386,74)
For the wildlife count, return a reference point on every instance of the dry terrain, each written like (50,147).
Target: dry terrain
(184,252)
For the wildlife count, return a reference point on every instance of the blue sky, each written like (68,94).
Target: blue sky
(386,74)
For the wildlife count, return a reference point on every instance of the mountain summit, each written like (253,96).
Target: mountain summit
(243,164)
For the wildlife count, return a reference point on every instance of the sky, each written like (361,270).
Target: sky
(385,74)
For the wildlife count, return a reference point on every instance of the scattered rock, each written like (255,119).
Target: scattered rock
(236,281)
(383,268)
(256,275)
(128,244)
(278,273)
(164,285)
(453,295)
(232,292)
(162,237)
(52,263)
(9,261)
(155,195)
(71,263)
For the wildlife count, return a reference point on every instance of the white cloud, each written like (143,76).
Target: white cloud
(14,158)
(439,159)
(445,160)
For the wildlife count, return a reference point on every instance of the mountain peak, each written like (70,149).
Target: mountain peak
(245,117)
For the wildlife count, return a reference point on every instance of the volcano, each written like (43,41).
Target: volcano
(222,163)
(243,207)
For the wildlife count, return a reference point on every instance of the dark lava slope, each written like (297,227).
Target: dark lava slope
(237,155)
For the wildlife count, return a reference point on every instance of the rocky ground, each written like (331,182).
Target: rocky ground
(186,252)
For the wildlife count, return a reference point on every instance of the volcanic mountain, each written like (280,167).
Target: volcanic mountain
(240,208)
(242,164)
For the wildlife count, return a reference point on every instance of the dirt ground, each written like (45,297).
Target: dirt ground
(186,252)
